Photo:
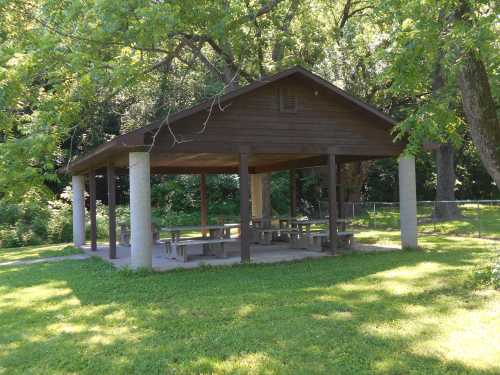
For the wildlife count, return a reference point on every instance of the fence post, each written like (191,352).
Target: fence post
(374,216)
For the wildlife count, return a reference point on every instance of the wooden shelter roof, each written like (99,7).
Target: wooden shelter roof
(255,119)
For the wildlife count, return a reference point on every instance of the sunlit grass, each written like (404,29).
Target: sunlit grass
(407,312)
(474,220)
(36,252)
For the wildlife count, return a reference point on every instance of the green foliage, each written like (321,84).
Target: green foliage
(35,221)
(423,43)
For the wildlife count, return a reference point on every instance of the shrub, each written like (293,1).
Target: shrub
(9,237)
(59,226)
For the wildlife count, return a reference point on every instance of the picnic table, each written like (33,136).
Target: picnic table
(216,231)
(300,224)
(307,237)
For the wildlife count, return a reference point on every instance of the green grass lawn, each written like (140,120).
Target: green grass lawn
(36,252)
(385,313)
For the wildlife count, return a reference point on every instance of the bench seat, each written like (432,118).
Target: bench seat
(178,249)
(318,240)
(265,236)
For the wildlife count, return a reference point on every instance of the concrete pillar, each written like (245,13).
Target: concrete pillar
(256,194)
(408,202)
(78,202)
(141,236)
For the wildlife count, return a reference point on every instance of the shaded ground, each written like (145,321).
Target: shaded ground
(386,313)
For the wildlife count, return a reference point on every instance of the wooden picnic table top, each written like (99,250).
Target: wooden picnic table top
(200,227)
(204,242)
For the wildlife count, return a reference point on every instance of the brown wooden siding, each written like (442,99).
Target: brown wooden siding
(254,120)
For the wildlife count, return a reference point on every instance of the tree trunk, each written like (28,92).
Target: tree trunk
(445,189)
(445,160)
(354,176)
(481,115)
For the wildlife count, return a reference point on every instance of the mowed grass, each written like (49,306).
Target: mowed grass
(36,252)
(385,313)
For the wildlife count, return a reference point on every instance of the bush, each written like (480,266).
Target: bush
(9,237)
(35,220)
(59,227)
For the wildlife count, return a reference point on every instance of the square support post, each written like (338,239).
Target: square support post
(332,201)
(408,202)
(256,194)
(340,183)
(78,203)
(141,236)
(267,210)
(111,177)
(244,209)
(93,211)
(203,203)
(293,192)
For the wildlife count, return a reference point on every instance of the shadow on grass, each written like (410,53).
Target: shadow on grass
(359,314)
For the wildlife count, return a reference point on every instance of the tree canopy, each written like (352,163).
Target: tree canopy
(76,73)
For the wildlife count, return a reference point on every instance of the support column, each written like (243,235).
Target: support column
(293,193)
(408,202)
(244,209)
(203,203)
(78,202)
(141,236)
(93,211)
(341,185)
(332,202)
(256,193)
(111,177)
(267,210)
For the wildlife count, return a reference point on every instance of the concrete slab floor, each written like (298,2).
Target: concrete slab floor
(275,253)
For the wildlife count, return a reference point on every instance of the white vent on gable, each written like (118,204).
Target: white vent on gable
(288,100)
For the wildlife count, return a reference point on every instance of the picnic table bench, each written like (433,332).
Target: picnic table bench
(265,236)
(179,249)
(318,240)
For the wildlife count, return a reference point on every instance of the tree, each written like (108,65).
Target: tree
(454,33)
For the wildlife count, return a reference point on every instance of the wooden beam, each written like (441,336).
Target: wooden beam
(203,202)
(195,170)
(244,209)
(314,161)
(293,192)
(111,177)
(332,201)
(93,211)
